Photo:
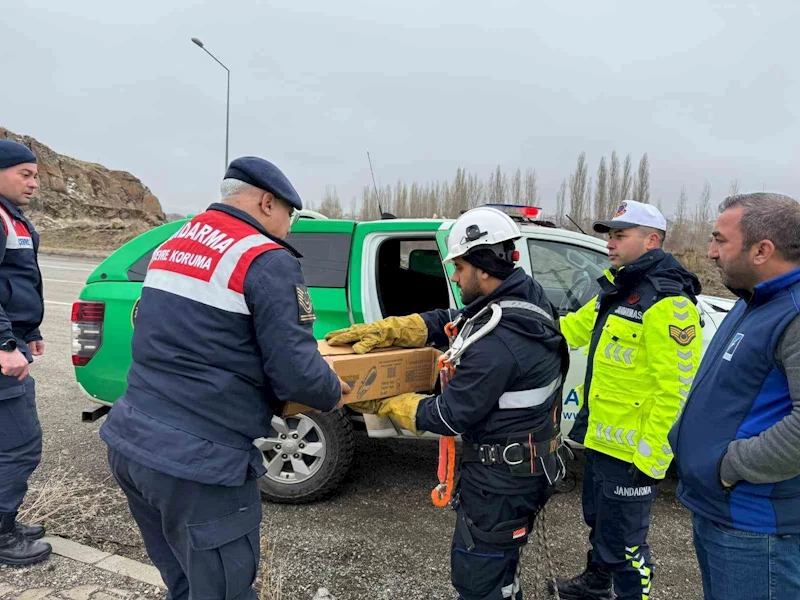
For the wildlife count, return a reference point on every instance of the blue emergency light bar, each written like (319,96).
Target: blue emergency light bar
(519,211)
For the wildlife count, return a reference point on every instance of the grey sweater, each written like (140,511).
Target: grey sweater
(774,454)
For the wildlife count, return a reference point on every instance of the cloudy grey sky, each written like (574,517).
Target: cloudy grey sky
(709,90)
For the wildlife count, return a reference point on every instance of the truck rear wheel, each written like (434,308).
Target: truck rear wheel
(306,456)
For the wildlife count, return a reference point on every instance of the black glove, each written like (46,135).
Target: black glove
(640,479)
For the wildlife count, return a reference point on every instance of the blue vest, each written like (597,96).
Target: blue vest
(739,392)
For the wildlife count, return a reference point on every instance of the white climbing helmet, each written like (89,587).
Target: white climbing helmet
(482,226)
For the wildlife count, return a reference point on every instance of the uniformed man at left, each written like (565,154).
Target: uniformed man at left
(21,312)
(222,338)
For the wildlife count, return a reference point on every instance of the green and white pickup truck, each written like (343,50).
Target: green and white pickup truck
(356,272)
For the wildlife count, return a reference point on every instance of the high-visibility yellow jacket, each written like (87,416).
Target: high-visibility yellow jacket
(643,336)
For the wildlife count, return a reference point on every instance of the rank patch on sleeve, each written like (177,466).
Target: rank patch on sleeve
(305,308)
(683,336)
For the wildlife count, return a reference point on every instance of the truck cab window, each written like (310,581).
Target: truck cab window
(567,273)
(410,278)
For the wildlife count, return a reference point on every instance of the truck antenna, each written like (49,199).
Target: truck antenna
(371,172)
(377,196)
(576,225)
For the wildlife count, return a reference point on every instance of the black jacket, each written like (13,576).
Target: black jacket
(522,353)
(21,299)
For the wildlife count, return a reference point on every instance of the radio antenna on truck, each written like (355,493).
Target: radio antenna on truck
(576,225)
(377,196)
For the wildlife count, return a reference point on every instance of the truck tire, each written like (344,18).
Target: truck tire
(306,456)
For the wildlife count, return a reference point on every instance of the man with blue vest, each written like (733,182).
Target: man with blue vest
(21,312)
(223,337)
(737,445)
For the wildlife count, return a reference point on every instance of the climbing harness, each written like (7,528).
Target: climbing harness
(520,454)
(442,494)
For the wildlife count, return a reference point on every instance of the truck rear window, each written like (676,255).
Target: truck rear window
(326,257)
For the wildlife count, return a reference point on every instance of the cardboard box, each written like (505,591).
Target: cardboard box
(381,373)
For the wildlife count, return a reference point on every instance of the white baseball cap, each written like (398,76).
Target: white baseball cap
(633,214)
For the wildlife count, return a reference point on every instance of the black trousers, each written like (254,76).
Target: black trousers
(489,572)
(619,516)
(204,539)
(20,442)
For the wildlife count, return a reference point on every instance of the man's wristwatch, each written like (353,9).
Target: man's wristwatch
(9,345)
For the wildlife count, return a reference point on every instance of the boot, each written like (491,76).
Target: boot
(593,584)
(32,532)
(15,548)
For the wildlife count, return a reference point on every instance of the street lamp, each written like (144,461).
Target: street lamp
(228,105)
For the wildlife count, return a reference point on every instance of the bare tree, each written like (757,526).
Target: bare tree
(625,184)
(369,205)
(561,204)
(530,193)
(678,236)
(641,187)
(587,200)
(432,194)
(331,206)
(415,202)
(614,186)
(476,192)
(577,190)
(601,193)
(353,209)
(733,190)
(702,215)
(516,188)
(458,199)
(498,187)
(385,201)
(401,199)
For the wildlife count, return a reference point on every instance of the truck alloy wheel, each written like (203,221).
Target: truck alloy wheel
(306,456)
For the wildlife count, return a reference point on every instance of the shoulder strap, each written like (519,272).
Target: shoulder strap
(529,306)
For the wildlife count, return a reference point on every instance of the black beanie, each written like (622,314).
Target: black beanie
(13,154)
(487,261)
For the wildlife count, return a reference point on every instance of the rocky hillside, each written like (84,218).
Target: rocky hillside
(82,205)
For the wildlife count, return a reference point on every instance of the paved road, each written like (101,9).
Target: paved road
(379,538)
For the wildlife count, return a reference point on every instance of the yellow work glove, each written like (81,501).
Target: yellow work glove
(406,332)
(401,409)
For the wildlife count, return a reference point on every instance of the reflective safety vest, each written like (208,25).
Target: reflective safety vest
(643,345)
(207,259)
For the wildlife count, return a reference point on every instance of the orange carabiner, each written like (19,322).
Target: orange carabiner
(443,493)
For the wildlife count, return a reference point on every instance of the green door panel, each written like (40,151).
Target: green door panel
(330,306)
(441,241)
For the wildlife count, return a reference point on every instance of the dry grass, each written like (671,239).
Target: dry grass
(74,506)
(66,500)
(270,580)
(698,263)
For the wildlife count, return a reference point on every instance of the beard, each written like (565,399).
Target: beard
(470,292)
(737,273)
